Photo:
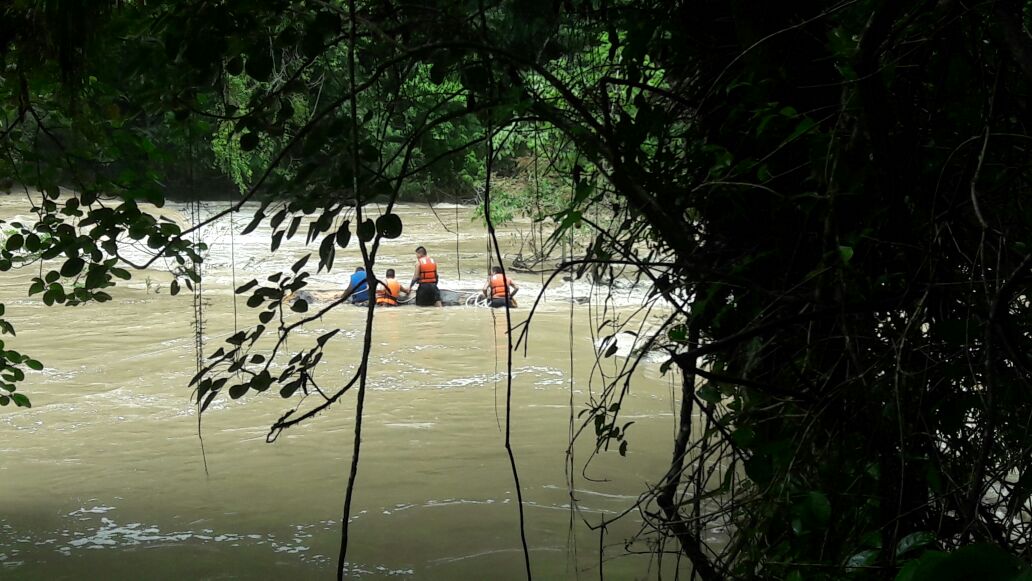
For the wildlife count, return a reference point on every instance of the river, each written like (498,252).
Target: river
(103,477)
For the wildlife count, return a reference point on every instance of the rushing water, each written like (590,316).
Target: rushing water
(103,477)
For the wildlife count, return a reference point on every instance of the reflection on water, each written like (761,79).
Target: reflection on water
(104,474)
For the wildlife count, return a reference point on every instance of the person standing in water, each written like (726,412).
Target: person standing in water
(500,289)
(358,287)
(391,289)
(427,295)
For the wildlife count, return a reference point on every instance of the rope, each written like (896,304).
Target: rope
(477,301)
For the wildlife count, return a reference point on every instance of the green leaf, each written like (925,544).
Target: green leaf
(15,242)
(238,391)
(366,230)
(583,190)
(173,288)
(289,389)
(872,539)
(312,45)
(299,306)
(259,65)
(326,253)
(208,400)
(120,273)
(908,570)
(805,125)
(678,334)
(862,559)
(344,234)
(33,364)
(247,286)
(277,218)
(759,469)
(235,66)
(709,393)
(324,338)
(665,366)
(20,400)
(437,73)
(977,561)
(798,527)
(389,226)
(262,381)
(572,217)
(292,229)
(914,541)
(743,437)
(72,266)
(258,217)
(249,141)
(300,263)
(819,506)
(846,252)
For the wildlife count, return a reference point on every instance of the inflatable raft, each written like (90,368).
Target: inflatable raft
(449,298)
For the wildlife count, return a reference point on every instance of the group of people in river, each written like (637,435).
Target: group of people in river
(499,289)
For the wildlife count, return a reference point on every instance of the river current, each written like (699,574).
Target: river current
(103,477)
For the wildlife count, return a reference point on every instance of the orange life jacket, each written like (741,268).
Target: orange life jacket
(427,270)
(499,283)
(389,295)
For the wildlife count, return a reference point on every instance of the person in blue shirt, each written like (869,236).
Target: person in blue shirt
(358,288)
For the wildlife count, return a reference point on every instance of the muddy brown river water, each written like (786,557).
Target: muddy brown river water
(103,477)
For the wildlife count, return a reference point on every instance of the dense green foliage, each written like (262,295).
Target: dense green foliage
(829,198)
